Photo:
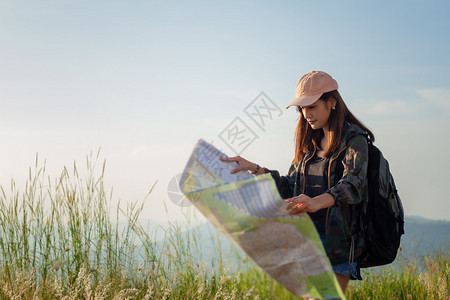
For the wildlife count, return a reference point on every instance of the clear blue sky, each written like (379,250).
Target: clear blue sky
(144,80)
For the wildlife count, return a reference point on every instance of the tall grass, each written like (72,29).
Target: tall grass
(55,232)
(59,240)
(420,277)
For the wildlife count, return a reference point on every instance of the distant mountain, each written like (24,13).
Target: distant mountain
(419,219)
(423,236)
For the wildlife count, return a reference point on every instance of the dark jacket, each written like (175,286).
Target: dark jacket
(347,183)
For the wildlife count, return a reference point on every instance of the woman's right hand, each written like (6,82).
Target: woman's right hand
(243,164)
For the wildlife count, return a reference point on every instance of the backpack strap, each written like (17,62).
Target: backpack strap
(297,171)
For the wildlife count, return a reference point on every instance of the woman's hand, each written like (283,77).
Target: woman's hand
(303,203)
(243,164)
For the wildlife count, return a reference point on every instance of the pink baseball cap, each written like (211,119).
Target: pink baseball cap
(311,86)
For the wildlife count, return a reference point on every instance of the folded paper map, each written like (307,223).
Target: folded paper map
(249,210)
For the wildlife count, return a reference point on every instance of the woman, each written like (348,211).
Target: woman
(327,178)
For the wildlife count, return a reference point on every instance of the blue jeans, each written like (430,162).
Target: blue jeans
(346,269)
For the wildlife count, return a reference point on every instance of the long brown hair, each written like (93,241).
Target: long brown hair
(306,137)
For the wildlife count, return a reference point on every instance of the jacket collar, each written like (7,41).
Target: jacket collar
(349,131)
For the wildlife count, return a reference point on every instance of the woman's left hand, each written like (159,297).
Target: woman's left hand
(302,203)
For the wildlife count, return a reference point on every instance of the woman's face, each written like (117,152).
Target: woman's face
(317,114)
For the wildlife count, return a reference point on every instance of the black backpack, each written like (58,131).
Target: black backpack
(384,218)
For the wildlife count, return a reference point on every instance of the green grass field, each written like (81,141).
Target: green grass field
(58,240)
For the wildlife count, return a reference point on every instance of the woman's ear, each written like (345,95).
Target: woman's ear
(333,102)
